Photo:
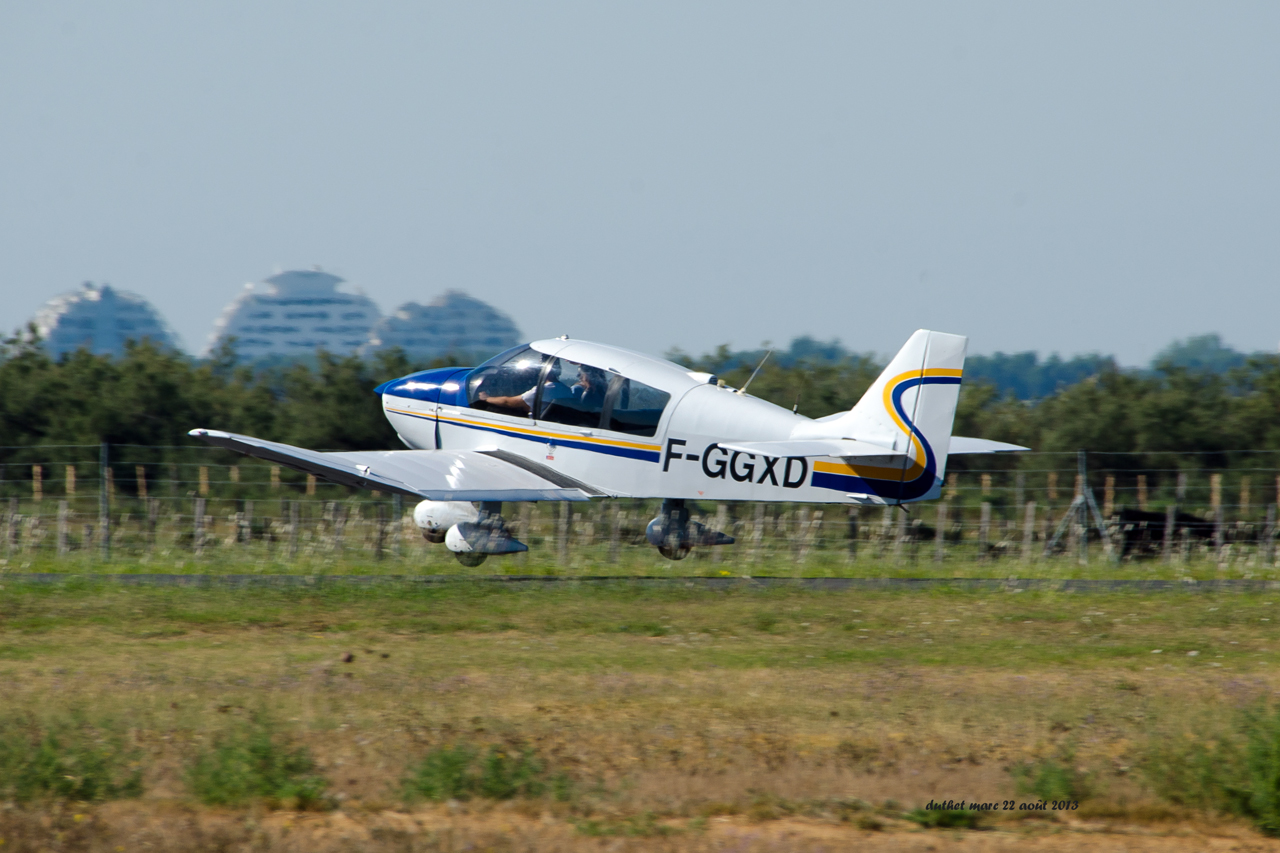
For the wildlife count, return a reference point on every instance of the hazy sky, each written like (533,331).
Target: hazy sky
(1067,176)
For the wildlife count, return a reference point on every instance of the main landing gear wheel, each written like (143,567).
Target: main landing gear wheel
(674,534)
(677,553)
(435,537)
(470,559)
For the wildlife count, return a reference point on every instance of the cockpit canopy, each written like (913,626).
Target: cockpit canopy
(523,382)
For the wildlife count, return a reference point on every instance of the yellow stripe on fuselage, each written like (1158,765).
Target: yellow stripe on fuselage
(538,433)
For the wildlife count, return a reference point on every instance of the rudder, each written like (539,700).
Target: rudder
(909,409)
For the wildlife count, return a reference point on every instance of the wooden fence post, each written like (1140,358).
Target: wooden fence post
(984,532)
(198,527)
(37,483)
(1219,531)
(565,523)
(615,530)
(153,515)
(295,521)
(1142,492)
(1019,488)
(1170,523)
(12,522)
(380,530)
(900,533)
(1029,531)
(105,495)
(940,533)
(1046,529)
(62,528)
(1269,537)
(851,551)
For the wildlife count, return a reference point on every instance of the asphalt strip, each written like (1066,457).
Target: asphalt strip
(1085,585)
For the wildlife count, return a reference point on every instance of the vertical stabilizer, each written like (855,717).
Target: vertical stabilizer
(910,410)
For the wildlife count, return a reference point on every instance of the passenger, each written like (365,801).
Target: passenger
(590,388)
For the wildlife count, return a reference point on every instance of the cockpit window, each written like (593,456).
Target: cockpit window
(573,394)
(565,392)
(633,407)
(506,384)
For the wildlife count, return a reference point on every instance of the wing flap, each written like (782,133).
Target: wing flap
(437,475)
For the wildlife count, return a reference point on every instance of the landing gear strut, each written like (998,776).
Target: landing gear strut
(674,535)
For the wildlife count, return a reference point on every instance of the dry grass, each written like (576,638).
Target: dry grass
(686,720)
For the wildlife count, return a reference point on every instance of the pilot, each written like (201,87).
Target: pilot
(523,403)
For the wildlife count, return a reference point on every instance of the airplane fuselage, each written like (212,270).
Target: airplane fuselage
(681,457)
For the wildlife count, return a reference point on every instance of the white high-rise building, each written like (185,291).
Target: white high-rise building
(451,324)
(296,313)
(100,319)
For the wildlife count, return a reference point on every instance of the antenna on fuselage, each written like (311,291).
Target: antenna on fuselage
(743,389)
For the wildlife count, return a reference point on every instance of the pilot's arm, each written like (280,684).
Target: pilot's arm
(522,403)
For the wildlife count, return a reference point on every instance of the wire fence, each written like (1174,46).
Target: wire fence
(82,506)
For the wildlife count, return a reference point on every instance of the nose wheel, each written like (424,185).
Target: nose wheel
(470,559)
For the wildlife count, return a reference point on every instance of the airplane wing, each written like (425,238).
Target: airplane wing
(437,475)
(960,444)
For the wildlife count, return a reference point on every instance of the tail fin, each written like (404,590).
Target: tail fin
(910,408)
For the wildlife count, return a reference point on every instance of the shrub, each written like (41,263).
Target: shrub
(70,758)
(1052,779)
(1262,769)
(500,773)
(252,762)
(1237,772)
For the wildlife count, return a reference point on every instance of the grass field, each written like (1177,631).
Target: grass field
(629,717)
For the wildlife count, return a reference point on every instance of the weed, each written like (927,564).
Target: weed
(1262,765)
(944,818)
(69,758)
(765,622)
(1052,779)
(1237,773)
(252,762)
(501,773)
(643,825)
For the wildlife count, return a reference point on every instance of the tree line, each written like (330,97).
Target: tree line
(152,396)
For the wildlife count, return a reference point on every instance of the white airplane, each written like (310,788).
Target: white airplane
(568,420)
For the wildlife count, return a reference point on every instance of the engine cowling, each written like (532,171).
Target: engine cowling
(436,517)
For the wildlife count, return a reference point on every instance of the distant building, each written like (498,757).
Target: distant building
(453,323)
(295,313)
(100,319)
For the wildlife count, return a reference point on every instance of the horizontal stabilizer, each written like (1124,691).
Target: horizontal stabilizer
(960,444)
(437,475)
(846,447)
